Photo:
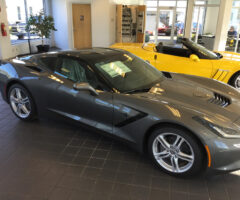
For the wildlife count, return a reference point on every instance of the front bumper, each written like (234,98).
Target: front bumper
(225,154)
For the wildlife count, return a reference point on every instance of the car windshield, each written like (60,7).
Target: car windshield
(128,73)
(201,51)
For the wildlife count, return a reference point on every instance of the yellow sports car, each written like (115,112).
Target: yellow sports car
(189,58)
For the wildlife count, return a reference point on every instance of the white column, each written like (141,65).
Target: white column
(157,23)
(188,21)
(5,42)
(223,25)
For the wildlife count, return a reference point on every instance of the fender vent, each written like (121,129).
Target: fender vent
(220,100)
(167,74)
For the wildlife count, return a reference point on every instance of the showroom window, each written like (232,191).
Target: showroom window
(204,22)
(233,32)
(165,20)
(17,14)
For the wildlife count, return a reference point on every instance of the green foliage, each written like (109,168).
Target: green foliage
(40,24)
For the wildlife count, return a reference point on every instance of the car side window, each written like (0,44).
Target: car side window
(76,71)
(48,62)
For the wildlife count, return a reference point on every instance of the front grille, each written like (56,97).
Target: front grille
(220,100)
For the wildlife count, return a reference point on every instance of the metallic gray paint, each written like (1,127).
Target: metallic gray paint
(174,100)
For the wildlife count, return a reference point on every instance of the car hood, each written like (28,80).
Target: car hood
(201,95)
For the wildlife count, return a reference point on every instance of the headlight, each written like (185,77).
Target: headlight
(219,130)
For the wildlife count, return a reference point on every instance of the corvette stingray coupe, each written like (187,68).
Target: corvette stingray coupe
(185,123)
(189,58)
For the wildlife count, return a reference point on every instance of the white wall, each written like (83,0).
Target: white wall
(5,44)
(59,13)
(112,26)
(129,2)
(222,25)
(189,16)
(100,23)
(211,20)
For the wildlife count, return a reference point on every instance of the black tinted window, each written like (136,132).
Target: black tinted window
(48,62)
(76,71)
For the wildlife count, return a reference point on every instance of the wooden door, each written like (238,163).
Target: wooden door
(82,26)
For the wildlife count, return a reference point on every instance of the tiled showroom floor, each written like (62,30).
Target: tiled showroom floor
(46,160)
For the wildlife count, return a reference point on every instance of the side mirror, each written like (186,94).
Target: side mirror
(85,87)
(194,58)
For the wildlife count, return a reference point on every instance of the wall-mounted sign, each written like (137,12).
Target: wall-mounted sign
(81,17)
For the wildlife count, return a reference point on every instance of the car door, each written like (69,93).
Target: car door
(184,65)
(80,106)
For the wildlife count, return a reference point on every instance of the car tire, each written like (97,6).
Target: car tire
(22,103)
(235,81)
(185,158)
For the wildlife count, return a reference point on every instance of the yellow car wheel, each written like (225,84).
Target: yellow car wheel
(235,80)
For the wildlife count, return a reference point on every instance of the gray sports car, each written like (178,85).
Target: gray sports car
(185,123)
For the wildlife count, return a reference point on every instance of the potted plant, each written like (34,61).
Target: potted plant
(41,25)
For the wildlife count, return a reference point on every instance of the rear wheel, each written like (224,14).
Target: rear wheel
(175,151)
(21,103)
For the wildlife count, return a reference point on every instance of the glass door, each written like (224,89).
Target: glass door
(165,20)
(204,22)
(151,24)
(166,27)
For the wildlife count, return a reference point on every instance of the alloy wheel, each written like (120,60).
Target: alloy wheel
(173,152)
(20,103)
(237,82)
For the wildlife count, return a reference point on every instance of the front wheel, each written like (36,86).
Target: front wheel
(21,103)
(175,151)
(235,81)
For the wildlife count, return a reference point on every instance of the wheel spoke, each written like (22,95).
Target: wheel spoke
(25,100)
(18,93)
(14,99)
(163,142)
(176,165)
(24,109)
(185,157)
(18,109)
(161,155)
(15,107)
(178,142)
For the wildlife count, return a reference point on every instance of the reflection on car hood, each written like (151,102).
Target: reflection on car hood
(204,95)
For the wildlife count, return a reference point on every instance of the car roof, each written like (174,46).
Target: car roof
(91,54)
